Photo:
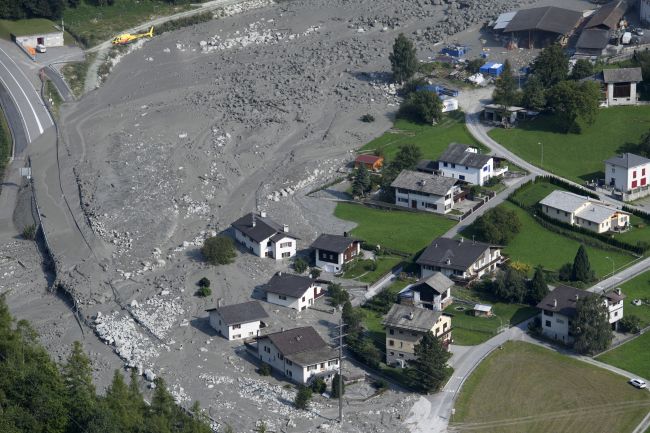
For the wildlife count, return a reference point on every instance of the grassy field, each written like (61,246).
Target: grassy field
(361,270)
(536,245)
(526,388)
(92,24)
(399,230)
(633,356)
(638,288)
(5,145)
(432,140)
(565,154)
(30,26)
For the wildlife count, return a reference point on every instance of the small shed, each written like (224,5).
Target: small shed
(492,68)
(455,51)
(449,104)
(482,310)
(372,162)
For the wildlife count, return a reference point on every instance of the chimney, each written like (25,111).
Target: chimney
(436,245)
(219,302)
(311,277)
(461,240)
(282,329)
(448,261)
(577,296)
(254,222)
(285,228)
(554,303)
(411,315)
(618,291)
(279,273)
(346,234)
(263,214)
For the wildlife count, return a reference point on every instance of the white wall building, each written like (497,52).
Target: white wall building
(238,321)
(52,39)
(558,309)
(333,251)
(293,291)
(459,260)
(465,163)
(425,191)
(300,354)
(584,212)
(263,237)
(628,172)
(620,85)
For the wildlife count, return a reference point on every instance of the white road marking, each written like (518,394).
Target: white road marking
(29,138)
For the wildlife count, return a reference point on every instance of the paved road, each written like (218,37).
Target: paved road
(10,109)
(33,114)
(59,83)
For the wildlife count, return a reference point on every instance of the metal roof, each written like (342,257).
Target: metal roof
(608,16)
(627,160)
(411,318)
(368,159)
(549,19)
(483,307)
(457,153)
(593,39)
(453,254)
(424,182)
(502,20)
(622,75)
(245,312)
(334,243)
(291,285)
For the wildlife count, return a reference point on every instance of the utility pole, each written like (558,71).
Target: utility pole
(341,325)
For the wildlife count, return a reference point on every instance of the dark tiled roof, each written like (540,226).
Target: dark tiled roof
(608,16)
(457,153)
(427,166)
(453,254)
(289,284)
(412,318)
(334,243)
(310,357)
(549,19)
(424,182)
(562,300)
(241,313)
(368,159)
(627,160)
(615,296)
(622,75)
(593,39)
(297,340)
(438,282)
(263,228)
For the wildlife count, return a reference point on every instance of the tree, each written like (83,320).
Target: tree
(362,182)
(80,391)
(300,265)
(203,292)
(337,390)
(428,371)
(124,404)
(318,385)
(403,59)
(631,324)
(352,320)
(573,101)
(590,327)
(534,96)
(29,232)
(474,65)
(581,270)
(422,106)
(260,427)
(303,397)
(538,287)
(564,273)
(407,157)
(204,282)
(551,66)
(505,92)
(497,226)
(511,286)
(582,69)
(219,250)
(338,295)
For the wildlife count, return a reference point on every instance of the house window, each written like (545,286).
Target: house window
(453,165)
(401,344)
(311,367)
(466,168)
(322,365)
(444,164)
(236,326)
(447,197)
(286,255)
(431,206)
(558,211)
(285,245)
(269,243)
(613,170)
(303,299)
(622,90)
(236,336)
(486,168)
(615,313)
(391,343)
(282,297)
(548,323)
(392,353)
(548,313)
(267,349)
(402,200)
(401,355)
(289,373)
(289,362)
(461,177)
(281,356)
(391,332)
(444,326)
(633,174)
(634,183)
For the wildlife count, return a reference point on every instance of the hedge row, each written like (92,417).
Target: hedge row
(566,185)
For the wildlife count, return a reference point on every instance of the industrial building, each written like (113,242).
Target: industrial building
(541,27)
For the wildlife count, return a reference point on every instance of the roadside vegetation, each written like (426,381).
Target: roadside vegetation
(53,97)
(75,74)
(523,387)
(5,144)
(632,356)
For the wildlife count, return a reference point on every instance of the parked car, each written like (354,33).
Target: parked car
(40,48)
(639,31)
(637,383)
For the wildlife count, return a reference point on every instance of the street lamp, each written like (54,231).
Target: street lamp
(541,164)
(607,257)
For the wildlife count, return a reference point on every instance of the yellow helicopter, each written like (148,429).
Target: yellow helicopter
(127,38)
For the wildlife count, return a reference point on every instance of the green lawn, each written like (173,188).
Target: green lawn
(361,268)
(30,26)
(638,288)
(527,388)
(399,230)
(92,24)
(431,139)
(536,245)
(633,356)
(576,156)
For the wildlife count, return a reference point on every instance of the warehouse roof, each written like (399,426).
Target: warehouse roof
(549,19)
(608,16)
(593,39)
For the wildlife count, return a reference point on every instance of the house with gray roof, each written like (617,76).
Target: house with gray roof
(619,85)
(293,291)
(460,260)
(334,251)
(628,173)
(424,191)
(463,162)
(300,354)
(263,237)
(432,292)
(406,325)
(238,321)
(585,212)
(542,26)
(558,309)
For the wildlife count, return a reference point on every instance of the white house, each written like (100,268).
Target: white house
(293,291)
(333,251)
(558,309)
(300,354)
(263,237)
(48,39)
(460,260)
(432,292)
(628,173)
(465,163)
(238,321)
(425,191)
(584,212)
(620,85)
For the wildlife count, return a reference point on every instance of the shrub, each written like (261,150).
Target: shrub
(219,250)
(204,292)
(318,385)
(380,384)
(300,265)
(631,324)
(367,118)
(338,389)
(204,282)
(565,272)
(264,370)
(338,294)
(29,232)
(315,272)
(303,398)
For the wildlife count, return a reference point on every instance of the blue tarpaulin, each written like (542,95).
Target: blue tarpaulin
(455,51)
